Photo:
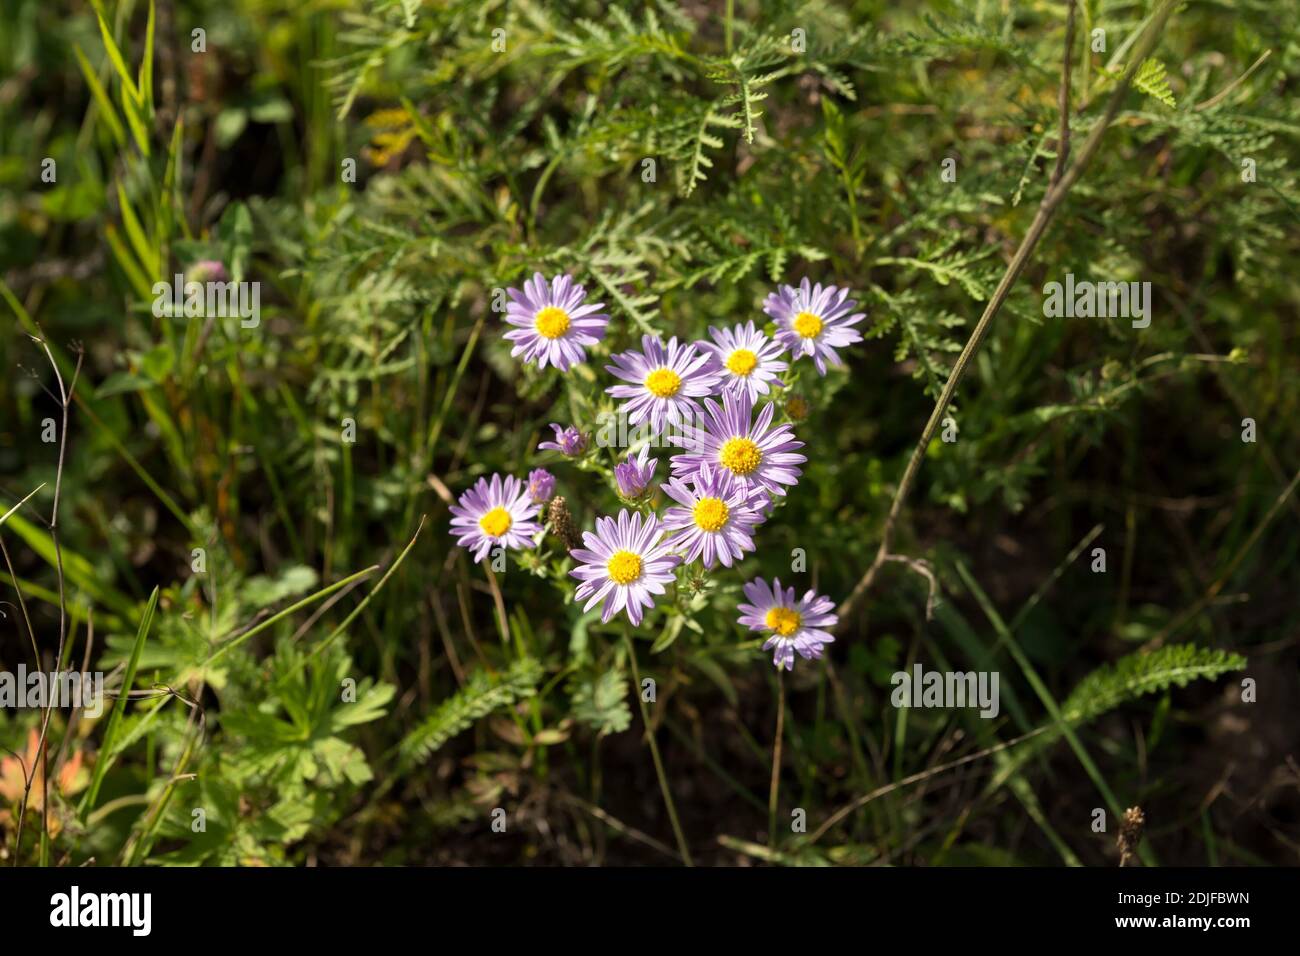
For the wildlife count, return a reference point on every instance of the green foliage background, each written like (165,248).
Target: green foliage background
(478,166)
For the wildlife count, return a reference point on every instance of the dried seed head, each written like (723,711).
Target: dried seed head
(1130,833)
(562,523)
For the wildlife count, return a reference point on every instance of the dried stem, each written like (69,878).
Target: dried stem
(862,801)
(64,399)
(1063,179)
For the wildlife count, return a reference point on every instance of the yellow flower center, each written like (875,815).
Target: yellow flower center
(741,362)
(624,567)
(783,620)
(808,325)
(551,322)
(496,522)
(740,455)
(710,514)
(663,382)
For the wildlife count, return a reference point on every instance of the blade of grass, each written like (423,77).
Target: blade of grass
(167,501)
(106,110)
(145,80)
(140,243)
(379,586)
(80,571)
(114,53)
(119,707)
(1050,703)
(1016,780)
(276,618)
(5,516)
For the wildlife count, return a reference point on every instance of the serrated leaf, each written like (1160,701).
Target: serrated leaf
(1151,80)
(1145,673)
(483,694)
(602,703)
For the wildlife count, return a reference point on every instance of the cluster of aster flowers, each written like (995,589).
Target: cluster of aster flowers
(732,466)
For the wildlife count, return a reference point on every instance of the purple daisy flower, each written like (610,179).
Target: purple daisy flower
(568,441)
(761,456)
(716,521)
(553,324)
(624,563)
(762,504)
(814,320)
(746,359)
(541,485)
(635,474)
(665,381)
(794,625)
(495,513)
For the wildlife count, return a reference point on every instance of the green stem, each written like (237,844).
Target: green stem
(1050,703)
(775,790)
(654,752)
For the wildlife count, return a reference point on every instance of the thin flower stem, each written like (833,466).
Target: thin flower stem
(1060,185)
(775,790)
(654,752)
(64,398)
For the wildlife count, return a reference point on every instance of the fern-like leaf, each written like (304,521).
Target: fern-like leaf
(1151,80)
(1136,674)
(1112,685)
(692,173)
(483,694)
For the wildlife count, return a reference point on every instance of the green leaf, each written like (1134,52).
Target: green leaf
(273,110)
(146,60)
(1136,674)
(1151,80)
(144,250)
(106,751)
(122,383)
(668,635)
(115,54)
(106,110)
(157,362)
(1127,679)
(79,571)
(602,703)
(230,123)
(484,693)
(369,705)
(134,106)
